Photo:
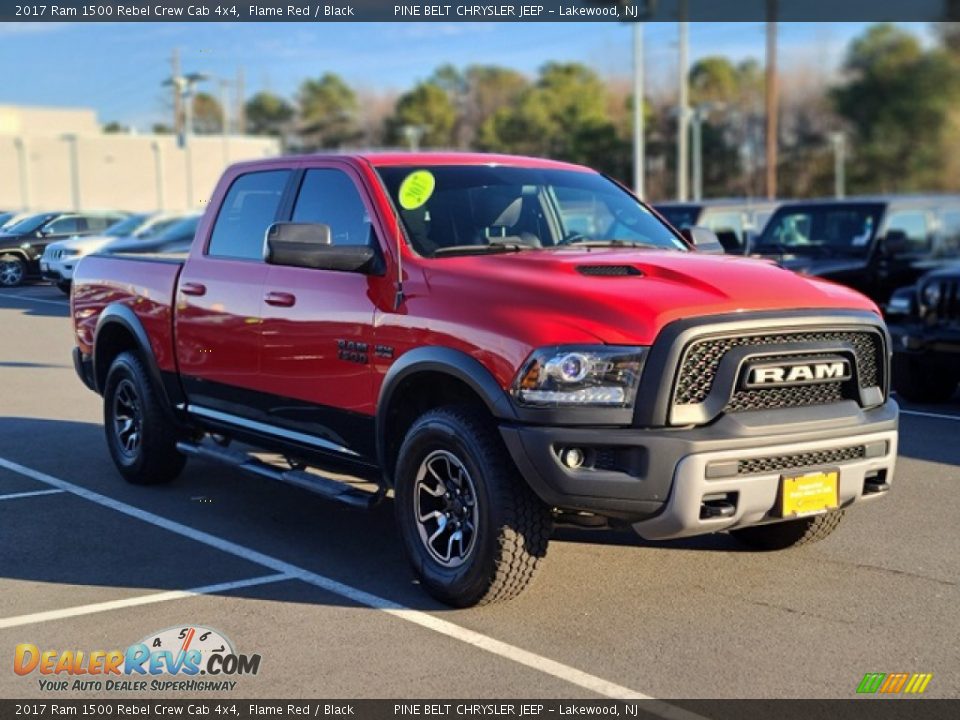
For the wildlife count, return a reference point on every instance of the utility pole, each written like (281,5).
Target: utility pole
(839,142)
(696,119)
(177,107)
(241,112)
(772,99)
(639,149)
(683,161)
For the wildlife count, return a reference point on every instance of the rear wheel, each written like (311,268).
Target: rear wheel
(792,533)
(919,380)
(13,270)
(474,531)
(141,440)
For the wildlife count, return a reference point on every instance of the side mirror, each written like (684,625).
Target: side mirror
(894,243)
(703,240)
(308,245)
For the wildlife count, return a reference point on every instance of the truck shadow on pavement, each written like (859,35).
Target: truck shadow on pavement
(64,549)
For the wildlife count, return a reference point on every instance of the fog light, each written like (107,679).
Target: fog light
(572,457)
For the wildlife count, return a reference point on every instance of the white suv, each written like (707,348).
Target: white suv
(60,258)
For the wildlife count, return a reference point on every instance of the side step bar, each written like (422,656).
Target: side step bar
(328,488)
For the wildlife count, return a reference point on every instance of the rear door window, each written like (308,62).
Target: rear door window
(329,197)
(66,225)
(915,225)
(950,224)
(248,209)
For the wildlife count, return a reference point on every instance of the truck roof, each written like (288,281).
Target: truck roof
(394,158)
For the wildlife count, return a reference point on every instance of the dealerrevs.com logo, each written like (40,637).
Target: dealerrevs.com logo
(172,659)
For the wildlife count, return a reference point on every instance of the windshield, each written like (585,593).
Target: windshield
(836,229)
(680,216)
(125,226)
(30,224)
(461,209)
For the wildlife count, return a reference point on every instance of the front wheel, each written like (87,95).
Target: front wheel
(474,531)
(792,533)
(141,439)
(13,270)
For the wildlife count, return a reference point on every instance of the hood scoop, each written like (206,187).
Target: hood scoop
(608,270)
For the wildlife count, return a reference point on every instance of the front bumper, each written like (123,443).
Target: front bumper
(657,479)
(914,338)
(56,271)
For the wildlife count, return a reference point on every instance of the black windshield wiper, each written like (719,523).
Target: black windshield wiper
(616,243)
(492,249)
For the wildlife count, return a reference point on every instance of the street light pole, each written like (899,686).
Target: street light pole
(839,142)
(639,149)
(696,121)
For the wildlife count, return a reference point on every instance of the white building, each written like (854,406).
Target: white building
(59,159)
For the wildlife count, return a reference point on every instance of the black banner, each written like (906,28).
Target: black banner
(305,11)
(859,709)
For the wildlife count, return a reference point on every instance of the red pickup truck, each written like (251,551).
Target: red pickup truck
(503,343)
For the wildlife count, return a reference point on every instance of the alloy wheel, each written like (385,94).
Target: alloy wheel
(445,508)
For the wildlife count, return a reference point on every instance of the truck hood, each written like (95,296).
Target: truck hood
(544,289)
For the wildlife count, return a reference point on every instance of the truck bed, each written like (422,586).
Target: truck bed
(144,283)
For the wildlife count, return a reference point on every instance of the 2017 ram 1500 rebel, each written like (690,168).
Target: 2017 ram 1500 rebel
(501,341)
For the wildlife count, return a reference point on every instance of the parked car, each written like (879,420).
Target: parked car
(60,258)
(175,239)
(430,323)
(12,218)
(22,244)
(925,325)
(735,221)
(874,245)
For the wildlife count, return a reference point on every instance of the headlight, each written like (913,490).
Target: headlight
(931,294)
(580,376)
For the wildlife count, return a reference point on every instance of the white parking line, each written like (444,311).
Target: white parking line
(32,493)
(518,655)
(78,610)
(65,304)
(938,416)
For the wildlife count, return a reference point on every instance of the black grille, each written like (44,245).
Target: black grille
(608,270)
(756,466)
(948,308)
(797,396)
(702,358)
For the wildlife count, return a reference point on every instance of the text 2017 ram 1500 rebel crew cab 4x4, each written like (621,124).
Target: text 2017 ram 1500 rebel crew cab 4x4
(500,341)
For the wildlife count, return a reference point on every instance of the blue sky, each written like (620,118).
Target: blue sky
(118,68)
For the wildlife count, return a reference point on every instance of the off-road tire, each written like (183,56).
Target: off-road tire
(17,273)
(792,533)
(513,527)
(922,382)
(155,460)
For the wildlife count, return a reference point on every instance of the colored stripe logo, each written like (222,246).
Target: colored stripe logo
(894,683)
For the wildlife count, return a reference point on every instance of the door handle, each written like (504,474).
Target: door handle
(191,288)
(280,299)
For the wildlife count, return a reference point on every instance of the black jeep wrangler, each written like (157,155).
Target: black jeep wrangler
(924,320)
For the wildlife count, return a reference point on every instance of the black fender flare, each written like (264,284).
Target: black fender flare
(456,364)
(119,314)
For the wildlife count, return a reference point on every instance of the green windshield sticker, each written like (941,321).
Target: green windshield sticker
(416,189)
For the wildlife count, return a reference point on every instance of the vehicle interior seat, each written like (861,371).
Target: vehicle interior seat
(500,216)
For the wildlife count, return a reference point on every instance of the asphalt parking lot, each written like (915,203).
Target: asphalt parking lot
(323,594)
